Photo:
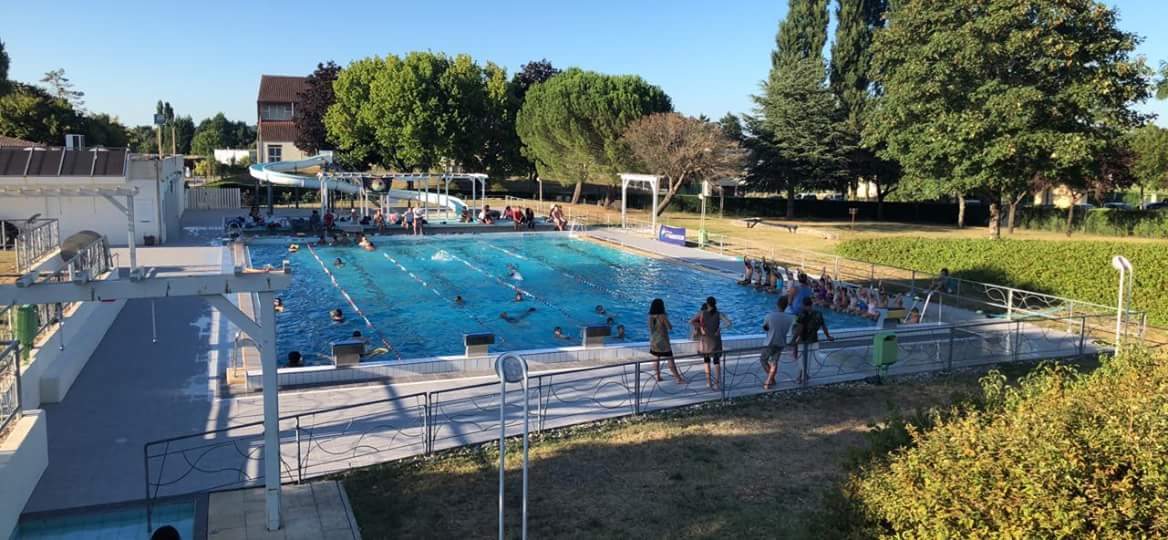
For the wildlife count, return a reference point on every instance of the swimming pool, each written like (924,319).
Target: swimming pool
(407,289)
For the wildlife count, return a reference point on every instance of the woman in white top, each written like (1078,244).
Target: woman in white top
(419,220)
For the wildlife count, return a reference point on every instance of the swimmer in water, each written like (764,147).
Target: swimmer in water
(559,333)
(278,304)
(600,310)
(609,321)
(518,296)
(516,318)
(339,263)
(337,315)
(620,331)
(366,244)
(458,301)
(293,248)
(514,271)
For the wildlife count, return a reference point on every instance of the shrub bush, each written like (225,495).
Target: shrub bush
(1076,269)
(1061,455)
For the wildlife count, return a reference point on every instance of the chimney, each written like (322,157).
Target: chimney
(74,141)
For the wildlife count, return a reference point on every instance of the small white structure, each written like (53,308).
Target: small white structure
(228,156)
(654,184)
(74,186)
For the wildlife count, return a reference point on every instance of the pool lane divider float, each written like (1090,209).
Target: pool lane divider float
(436,292)
(357,310)
(513,287)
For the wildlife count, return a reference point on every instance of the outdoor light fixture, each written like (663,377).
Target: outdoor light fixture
(1126,272)
(511,368)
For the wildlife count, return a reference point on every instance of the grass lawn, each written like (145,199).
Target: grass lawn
(751,469)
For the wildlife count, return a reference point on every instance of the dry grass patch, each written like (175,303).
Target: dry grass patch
(752,468)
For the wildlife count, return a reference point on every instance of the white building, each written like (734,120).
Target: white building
(75,186)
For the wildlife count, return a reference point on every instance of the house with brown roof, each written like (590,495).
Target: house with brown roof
(13,142)
(276,104)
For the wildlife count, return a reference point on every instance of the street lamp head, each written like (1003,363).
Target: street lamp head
(511,368)
(1119,262)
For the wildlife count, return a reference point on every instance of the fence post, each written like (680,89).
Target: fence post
(299,464)
(1017,336)
(1009,303)
(427,427)
(637,389)
(1082,334)
(722,377)
(952,336)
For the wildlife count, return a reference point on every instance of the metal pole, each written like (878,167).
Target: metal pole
(1010,304)
(637,389)
(1082,334)
(1119,309)
(153,323)
(502,447)
(526,399)
(132,234)
(299,464)
(271,408)
(949,362)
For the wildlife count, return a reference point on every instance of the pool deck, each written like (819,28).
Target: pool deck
(133,391)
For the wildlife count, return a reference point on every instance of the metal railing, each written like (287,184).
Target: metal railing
(10,407)
(327,441)
(31,239)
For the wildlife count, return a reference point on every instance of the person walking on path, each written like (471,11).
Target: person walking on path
(659,345)
(807,326)
(776,325)
(708,327)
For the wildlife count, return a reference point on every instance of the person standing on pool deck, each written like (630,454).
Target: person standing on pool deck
(708,323)
(659,345)
(419,220)
(777,325)
(807,326)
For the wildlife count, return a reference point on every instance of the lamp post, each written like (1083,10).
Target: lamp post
(705,194)
(511,368)
(1119,262)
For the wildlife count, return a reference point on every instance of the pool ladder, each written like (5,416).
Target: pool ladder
(236,367)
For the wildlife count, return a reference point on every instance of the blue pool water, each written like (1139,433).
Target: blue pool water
(120,524)
(406,288)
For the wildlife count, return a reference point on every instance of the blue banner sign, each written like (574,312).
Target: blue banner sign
(671,235)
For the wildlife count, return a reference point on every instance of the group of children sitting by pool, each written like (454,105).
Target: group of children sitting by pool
(824,292)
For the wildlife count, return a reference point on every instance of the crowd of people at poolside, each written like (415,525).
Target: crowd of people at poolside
(866,302)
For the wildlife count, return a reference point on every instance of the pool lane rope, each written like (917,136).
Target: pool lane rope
(357,310)
(514,287)
(427,285)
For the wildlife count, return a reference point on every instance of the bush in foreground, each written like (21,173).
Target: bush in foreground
(1076,269)
(1062,454)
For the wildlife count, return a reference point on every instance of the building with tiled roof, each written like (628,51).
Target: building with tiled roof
(13,142)
(276,103)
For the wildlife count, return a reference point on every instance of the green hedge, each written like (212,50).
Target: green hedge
(1075,269)
(1061,455)
(1100,221)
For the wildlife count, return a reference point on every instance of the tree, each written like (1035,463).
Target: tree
(4,61)
(802,33)
(1161,84)
(1149,146)
(683,150)
(987,97)
(62,88)
(140,139)
(529,74)
(317,97)
(105,130)
(571,124)
(29,112)
(416,112)
(851,82)
(219,132)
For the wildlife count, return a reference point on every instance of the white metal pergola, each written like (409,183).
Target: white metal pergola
(653,182)
(111,193)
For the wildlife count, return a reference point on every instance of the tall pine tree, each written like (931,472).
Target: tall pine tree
(851,82)
(794,141)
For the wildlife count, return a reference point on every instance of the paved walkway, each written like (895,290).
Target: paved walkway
(316,510)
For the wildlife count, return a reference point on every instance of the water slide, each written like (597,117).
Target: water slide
(276,174)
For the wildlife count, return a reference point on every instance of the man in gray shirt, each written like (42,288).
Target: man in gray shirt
(777,325)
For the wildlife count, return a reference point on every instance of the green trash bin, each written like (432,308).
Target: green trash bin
(26,327)
(883,351)
(703,238)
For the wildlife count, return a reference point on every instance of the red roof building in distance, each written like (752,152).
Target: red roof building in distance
(276,103)
(13,142)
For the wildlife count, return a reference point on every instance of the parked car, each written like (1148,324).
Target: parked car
(1117,206)
(1162,205)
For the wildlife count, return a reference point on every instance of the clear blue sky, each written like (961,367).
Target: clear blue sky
(206,57)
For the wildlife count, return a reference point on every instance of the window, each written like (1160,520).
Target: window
(275,152)
(276,111)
